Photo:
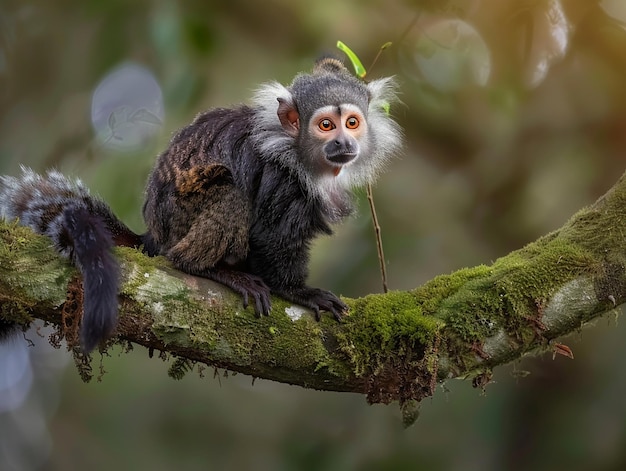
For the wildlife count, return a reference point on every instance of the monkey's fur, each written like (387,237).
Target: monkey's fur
(237,196)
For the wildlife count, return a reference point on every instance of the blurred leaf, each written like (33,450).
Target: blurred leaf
(562,349)
(142,115)
(112,121)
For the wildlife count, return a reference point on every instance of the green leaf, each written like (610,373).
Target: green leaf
(359,69)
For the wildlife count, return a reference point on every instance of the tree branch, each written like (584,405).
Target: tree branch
(393,346)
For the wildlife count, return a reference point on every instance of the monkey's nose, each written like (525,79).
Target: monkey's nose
(343,146)
(341,151)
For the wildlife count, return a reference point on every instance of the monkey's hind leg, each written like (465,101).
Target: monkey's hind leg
(204,252)
(217,241)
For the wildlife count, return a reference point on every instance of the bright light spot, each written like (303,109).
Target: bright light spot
(451,54)
(127,108)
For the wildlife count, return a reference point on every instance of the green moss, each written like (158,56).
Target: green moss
(31,267)
(505,299)
(142,267)
(511,296)
(185,322)
(430,295)
(528,277)
(281,341)
(168,298)
(473,312)
(14,312)
(236,337)
(599,229)
(384,326)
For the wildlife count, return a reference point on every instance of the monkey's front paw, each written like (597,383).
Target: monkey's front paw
(317,300)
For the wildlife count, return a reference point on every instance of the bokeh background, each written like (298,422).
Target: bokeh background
(514,114)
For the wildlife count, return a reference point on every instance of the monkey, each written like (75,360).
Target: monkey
(237,196)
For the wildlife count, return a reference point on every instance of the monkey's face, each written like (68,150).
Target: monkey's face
(336,135)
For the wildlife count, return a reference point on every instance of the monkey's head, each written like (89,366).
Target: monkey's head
(326,116)
(328,124)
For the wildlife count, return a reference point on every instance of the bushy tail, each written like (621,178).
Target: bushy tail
(83,229)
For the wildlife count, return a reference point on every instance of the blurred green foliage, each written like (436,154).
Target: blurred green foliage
(514,119)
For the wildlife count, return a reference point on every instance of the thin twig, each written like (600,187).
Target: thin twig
(379,240)
(370,196)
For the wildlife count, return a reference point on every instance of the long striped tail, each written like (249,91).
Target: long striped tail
(82,228)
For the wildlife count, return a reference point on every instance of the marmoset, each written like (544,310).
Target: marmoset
(237,196)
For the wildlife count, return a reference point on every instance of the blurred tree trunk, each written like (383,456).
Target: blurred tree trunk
(393,346)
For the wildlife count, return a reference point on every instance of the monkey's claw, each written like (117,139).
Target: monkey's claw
(317,300)
(254,287)
(248,286)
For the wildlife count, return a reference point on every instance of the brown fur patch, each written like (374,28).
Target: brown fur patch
(199,179)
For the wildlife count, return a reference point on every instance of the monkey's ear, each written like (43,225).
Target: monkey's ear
(289,117)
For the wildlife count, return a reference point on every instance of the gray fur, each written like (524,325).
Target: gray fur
(321,88)
(309,92)
(38,201)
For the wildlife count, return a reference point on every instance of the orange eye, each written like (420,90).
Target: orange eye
(326,125)
(352,122)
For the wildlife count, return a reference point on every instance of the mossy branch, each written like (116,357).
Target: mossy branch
(393,346)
